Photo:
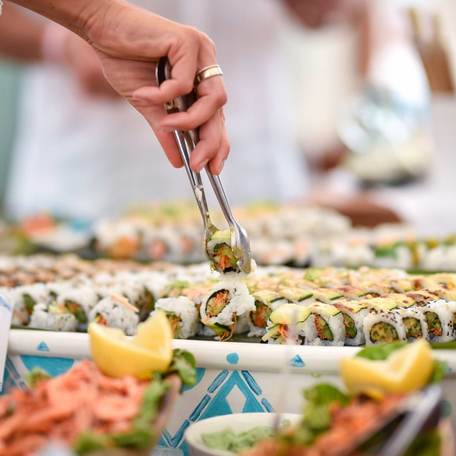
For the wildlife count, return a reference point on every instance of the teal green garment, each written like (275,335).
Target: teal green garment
(9,87)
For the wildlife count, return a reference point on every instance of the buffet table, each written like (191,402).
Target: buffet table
(233,377)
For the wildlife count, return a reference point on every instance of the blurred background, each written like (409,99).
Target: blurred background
(344,103)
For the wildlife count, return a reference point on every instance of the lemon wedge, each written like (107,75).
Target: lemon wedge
(118,356)
(155,333)
(406,370)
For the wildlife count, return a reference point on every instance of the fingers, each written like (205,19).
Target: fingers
(212,97)
(217,163)
(183,63)
(212,147)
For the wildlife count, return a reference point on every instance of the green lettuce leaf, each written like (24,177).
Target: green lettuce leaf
(184,365)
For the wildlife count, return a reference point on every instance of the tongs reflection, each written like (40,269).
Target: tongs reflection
(186,142)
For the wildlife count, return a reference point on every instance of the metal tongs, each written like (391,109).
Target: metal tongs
(186,142)
(419,412)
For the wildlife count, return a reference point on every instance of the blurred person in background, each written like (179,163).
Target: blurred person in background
(82,152)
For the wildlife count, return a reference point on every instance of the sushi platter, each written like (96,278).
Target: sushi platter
(332,306)
(241,328)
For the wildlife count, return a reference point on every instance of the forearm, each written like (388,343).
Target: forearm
(75,15)
(20,35)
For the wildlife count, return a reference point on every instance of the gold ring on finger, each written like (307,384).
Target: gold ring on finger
(207,73)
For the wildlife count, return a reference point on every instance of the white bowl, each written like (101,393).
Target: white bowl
(238,422)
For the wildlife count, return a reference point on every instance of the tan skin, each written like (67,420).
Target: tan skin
(129,41)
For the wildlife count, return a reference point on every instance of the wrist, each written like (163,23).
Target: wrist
(76,15)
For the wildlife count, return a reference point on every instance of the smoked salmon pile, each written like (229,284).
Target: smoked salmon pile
(82,403)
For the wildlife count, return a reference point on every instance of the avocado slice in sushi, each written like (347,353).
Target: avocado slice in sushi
(383,332)
(350,326)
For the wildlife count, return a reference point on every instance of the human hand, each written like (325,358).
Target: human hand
(82,61)
(129,41)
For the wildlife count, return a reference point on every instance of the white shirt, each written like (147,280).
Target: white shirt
(85,158)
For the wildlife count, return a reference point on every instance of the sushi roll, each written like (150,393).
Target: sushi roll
(439,314)
(77,300)
(280,322)
(383,326)
(265,302)
(116,312)
(439,317)
(13,296)
(325,326)
(353,315)
(414,322)
(182,315)
(227,308)
(220,252)
(31,296)
(52,318)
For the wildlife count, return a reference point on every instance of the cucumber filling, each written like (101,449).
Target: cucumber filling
(145,304)
(383,332)
(29,303)
(350,326)
(76,309)
(322,327)
(412,328)
(434,324)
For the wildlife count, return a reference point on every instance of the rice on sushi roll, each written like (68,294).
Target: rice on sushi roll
(226,309)
(51,317)
(116,312)
(182,315)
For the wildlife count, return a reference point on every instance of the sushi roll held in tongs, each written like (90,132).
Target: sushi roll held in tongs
(228,251)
